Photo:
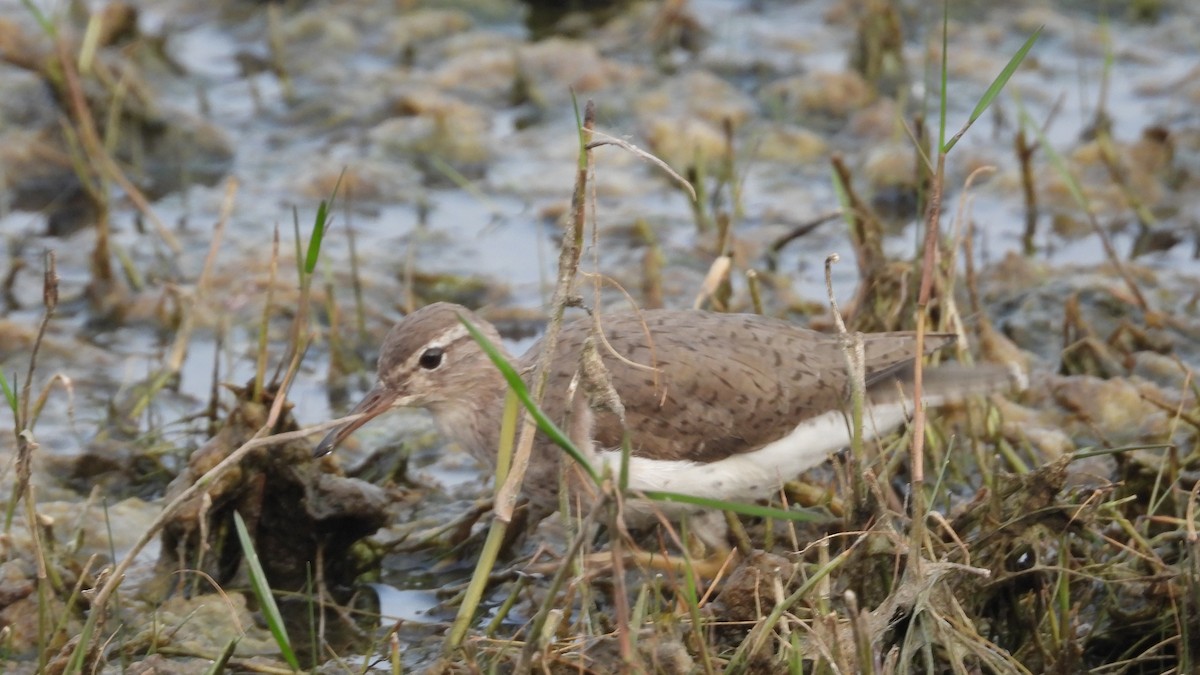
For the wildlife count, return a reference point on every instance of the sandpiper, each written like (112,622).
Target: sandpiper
(725,406)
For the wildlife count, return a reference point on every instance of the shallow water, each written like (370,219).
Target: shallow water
(492,218)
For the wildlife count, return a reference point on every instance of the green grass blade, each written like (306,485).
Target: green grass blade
(318,233)
(765,627)
(579,129)
(626,453)
(843,196)
(14,403)
(1093,451)
(43,21)
(518,386)
(320,224)
(262,590)
(10,395)
(996,87)
(75,663)
(218,665)
(297,241)
(744,508)
(476,586)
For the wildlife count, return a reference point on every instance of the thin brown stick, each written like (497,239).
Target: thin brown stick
(50,301)
(620,593)
(1025,150)
(797,232)
(539,621)
(605,139)
(564,292)
(260,440)
(97,153)
(189,306)
(932,218)
(26,445)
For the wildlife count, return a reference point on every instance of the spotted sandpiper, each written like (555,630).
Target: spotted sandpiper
(725,406)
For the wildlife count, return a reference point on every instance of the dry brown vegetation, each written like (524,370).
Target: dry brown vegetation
(1048,531)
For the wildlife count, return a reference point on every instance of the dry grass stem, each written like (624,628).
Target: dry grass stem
(97,152)
(626,145)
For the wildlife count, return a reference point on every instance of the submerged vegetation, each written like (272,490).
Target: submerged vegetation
(156,524)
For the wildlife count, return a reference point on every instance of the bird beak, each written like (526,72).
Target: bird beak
(377,401)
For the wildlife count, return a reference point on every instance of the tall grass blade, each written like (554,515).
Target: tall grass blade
(296,241)
(11,396)
(996,87)
(491,547)
(218,664)
(318,233)
(843,197)
(320,223)
(583,132)
(476,586)
(262,591)
(518,386)
(1060,164)
(743,508)
(48,27)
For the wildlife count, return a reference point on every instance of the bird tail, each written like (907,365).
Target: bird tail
(946,384)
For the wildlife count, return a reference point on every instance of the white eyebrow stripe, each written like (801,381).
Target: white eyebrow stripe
(447,337)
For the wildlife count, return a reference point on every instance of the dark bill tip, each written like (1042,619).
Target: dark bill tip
(329,443)
(376,402)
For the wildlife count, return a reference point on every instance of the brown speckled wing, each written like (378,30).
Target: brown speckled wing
(726,383)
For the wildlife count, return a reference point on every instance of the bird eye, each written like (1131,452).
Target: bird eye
(431,358)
